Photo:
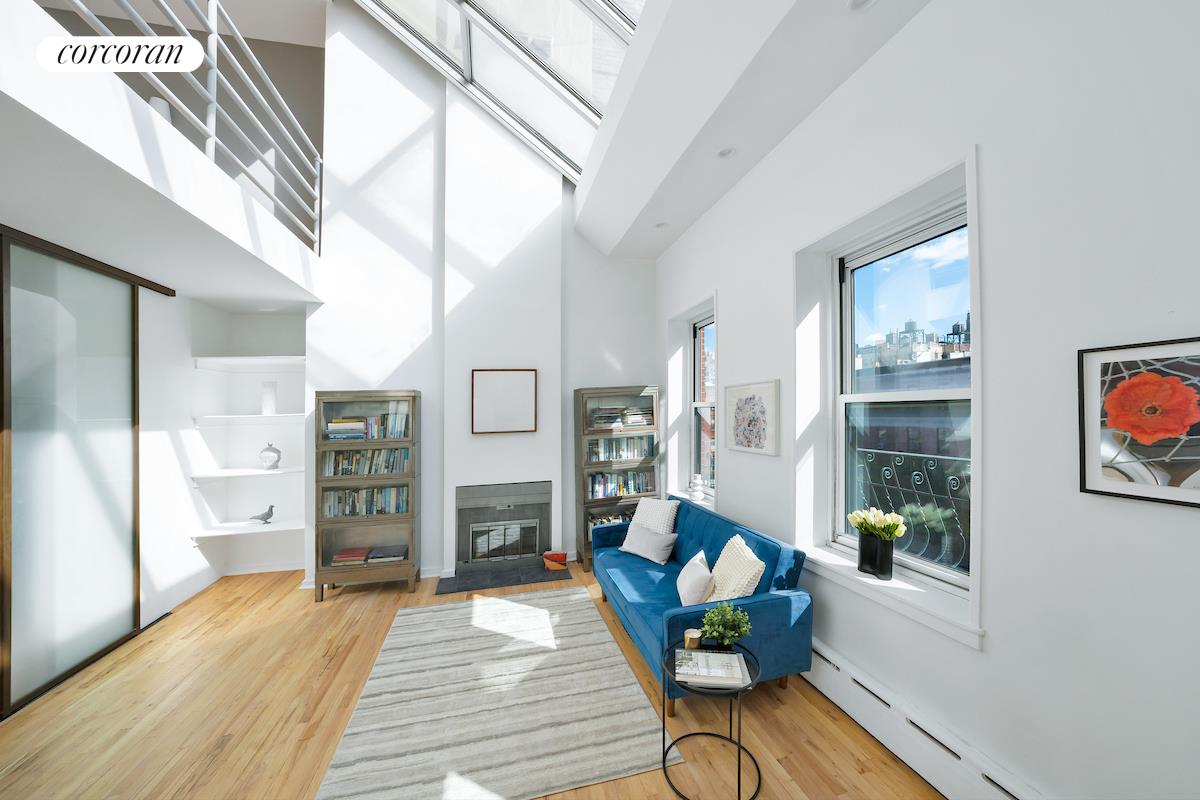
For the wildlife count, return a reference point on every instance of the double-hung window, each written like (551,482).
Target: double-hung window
(704,403)
(905,398)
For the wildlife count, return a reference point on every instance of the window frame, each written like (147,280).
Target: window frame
(710,492)
(899,239)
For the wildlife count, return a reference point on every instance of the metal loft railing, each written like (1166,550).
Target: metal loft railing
(277,156)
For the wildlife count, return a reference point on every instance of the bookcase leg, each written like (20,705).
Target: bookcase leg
(412,585)
(320,592)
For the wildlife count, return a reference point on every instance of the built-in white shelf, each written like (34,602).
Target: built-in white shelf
(264,364)
(219,474)
(225,420)
(250,527)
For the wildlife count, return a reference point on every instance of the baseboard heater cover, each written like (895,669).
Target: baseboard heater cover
(949,763)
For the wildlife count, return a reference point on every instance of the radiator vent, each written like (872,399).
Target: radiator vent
(825,658)
(868,691)
(998,787)
(933,739)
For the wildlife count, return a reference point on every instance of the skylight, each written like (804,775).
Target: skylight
(546,68)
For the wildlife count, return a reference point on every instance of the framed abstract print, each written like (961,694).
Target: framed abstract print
(1139,421)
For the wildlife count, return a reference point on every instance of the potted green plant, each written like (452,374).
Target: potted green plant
(877,533)
(725,624)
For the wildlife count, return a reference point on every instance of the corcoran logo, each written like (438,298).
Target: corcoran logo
(120,54)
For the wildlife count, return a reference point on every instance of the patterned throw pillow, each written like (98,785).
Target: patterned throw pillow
(657,515)
(736,573)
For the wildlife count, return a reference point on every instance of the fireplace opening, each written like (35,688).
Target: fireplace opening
(502,522)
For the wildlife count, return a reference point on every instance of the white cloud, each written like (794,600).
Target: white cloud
(942,251)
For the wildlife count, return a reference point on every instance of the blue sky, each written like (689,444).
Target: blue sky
(927,283)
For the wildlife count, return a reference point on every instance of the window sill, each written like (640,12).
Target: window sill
(943,608)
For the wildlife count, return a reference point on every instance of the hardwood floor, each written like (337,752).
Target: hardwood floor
(244,692)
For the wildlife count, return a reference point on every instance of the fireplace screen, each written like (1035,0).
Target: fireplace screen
(499,540)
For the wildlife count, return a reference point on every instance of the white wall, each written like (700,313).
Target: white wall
(173,568)
(446,249)
(608,312)
(502,302)
(1086,125)
(380,276)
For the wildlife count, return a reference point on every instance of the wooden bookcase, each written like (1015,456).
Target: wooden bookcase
(616,456)
(342,521)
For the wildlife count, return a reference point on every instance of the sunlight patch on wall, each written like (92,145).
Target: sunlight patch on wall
(809,369)
(490,168)
(401,115)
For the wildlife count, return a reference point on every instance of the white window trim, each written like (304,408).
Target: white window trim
(905,237)
(710,493)
(941,606)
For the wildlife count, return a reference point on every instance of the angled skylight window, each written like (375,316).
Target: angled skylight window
(565,39)
(438,22)
(631,9)
(545,68)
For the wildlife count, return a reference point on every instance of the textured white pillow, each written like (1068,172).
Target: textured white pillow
(736,572)
(694,580)
(641,541)
(657,515)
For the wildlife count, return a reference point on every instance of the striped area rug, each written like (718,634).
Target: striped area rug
(496,698)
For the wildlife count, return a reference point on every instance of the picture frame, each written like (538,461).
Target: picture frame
(752,418)
(1139,421)
(504,401)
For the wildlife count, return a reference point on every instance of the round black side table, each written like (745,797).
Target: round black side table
(734,695)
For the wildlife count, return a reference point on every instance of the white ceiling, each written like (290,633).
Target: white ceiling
(704,82)
(291,21)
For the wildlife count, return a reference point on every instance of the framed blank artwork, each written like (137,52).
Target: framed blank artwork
(503,400)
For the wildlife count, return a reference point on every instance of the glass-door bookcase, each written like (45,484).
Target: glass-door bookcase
(617,456)
(367,488)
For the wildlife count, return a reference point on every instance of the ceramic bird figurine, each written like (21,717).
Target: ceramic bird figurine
(265,517)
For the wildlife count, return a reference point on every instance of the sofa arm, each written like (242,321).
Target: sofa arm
(780,629)
(611,534)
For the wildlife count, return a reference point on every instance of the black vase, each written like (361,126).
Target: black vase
(875,556)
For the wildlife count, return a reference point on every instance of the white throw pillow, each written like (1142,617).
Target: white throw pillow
(657,515)
(641,541)
(736,573)
(694,581)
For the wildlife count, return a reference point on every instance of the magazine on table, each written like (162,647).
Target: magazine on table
(710,669)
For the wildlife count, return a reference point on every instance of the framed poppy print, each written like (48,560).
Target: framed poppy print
(1139,421)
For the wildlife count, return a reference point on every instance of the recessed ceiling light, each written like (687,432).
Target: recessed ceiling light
(726,152)
(860,5)
(660,225)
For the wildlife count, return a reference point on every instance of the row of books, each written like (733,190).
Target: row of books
(391,425)
(619,484)
(369,556)
(386,461)
(625,447)
(607,518)
(365,502)
(620,417)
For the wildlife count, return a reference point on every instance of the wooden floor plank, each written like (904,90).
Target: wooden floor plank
(245,690)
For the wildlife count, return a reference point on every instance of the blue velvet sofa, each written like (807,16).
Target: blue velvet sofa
(644,596)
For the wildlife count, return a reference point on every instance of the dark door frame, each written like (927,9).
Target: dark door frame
(8,237)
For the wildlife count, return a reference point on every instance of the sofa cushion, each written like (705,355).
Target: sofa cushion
(656,515)
(736,573)
(694,582)
(643,592)
(700,529)
(648,544)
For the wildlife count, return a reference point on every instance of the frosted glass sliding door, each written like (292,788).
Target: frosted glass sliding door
(71,370)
